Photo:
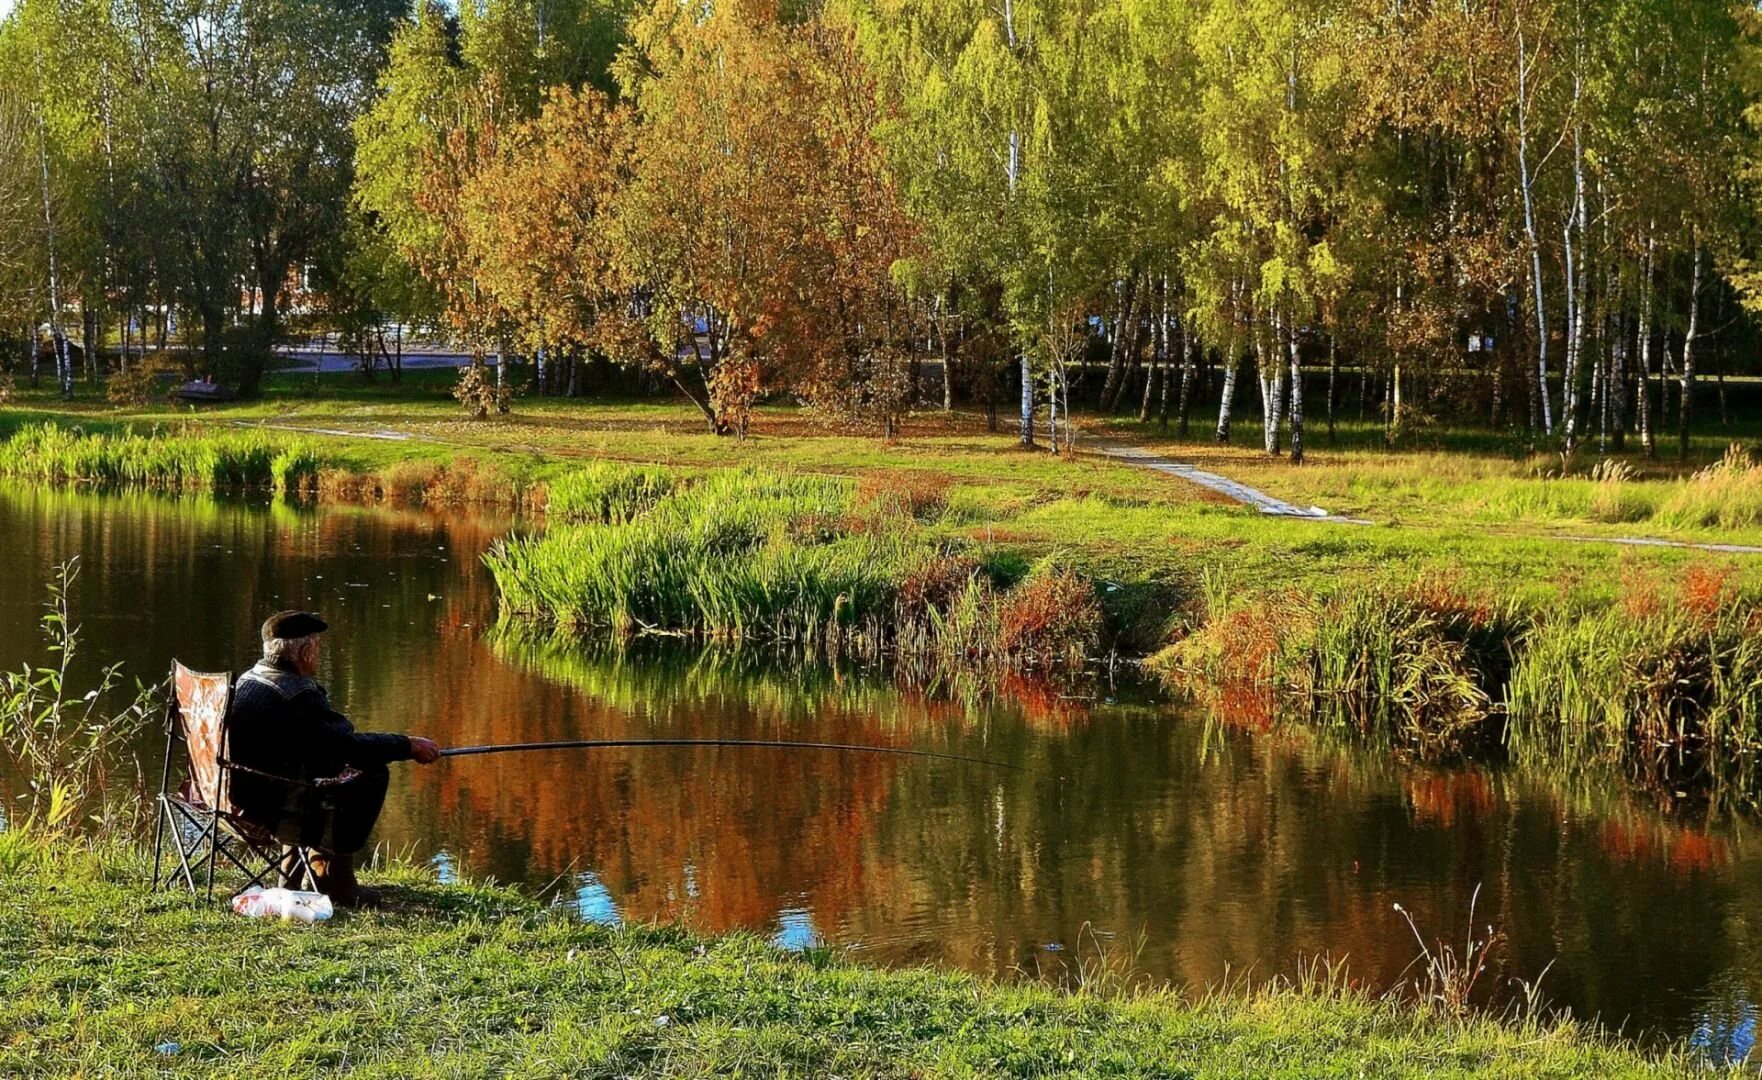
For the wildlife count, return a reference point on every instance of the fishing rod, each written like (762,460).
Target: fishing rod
(601,744)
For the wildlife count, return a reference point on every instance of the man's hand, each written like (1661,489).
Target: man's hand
(424,751)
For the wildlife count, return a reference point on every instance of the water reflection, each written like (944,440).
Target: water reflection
(1192,846)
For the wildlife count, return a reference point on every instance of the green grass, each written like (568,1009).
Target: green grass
(100,978)
(1504,482)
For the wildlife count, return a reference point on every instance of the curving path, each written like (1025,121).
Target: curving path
(1266,504)
(1223,485)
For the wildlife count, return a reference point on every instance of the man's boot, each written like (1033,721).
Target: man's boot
(336,879)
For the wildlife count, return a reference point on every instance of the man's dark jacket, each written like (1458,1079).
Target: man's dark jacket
(282,723)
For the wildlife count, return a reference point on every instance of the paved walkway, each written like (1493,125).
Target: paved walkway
(1223,485)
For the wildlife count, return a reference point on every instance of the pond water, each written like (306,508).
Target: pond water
(1137,833)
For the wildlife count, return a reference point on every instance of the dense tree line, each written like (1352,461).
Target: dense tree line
(1539,211)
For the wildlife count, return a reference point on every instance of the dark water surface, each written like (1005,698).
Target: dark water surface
(1183,847)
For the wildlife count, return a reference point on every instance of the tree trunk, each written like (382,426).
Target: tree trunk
(1576,281)
(1717,344)
(89,340)
(1188,377)
(1231,363)
(1618,381)
(947,360)
(1644,340)
(58,339)
(1296,392)
(1159,348)
(1526,184)
(1686,409)
(1271,375)
(1333,383)
(1123,331)
(1027,403)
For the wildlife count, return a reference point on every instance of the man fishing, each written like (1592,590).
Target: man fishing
(300,769)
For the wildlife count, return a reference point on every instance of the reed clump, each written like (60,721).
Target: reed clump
(1417,664)
(174,459)
(1668,679)
(787,559)
(608,493)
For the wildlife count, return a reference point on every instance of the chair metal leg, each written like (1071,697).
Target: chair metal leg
(183,856)
(158,840)
(213,852)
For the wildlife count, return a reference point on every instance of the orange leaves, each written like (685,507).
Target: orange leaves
(761,195)
(538,217)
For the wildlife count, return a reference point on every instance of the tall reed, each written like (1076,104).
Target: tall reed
(51,453)
(1417,664)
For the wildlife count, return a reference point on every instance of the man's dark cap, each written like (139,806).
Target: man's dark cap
(293,624)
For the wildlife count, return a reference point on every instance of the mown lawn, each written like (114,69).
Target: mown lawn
(98,978)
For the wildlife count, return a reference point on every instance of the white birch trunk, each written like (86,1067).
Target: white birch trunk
(63,363)
(1232,363)
(1296,392)
(1685,410)
(1644,341)
(1526,183)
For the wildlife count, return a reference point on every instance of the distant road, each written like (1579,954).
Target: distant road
(326,359)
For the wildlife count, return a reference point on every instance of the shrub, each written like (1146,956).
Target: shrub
(1051,615)
(478,392)
(133,387)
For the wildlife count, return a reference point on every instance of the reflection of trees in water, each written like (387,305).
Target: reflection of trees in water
(753,826)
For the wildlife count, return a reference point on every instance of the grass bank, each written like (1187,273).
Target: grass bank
(100,978)
(921,548)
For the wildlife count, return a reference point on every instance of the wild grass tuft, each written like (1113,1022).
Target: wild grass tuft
(1727,494)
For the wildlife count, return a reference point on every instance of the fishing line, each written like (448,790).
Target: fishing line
(600,744)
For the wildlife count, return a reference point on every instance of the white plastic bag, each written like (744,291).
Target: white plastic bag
(285,904)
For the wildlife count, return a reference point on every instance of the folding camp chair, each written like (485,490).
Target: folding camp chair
(200,818)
